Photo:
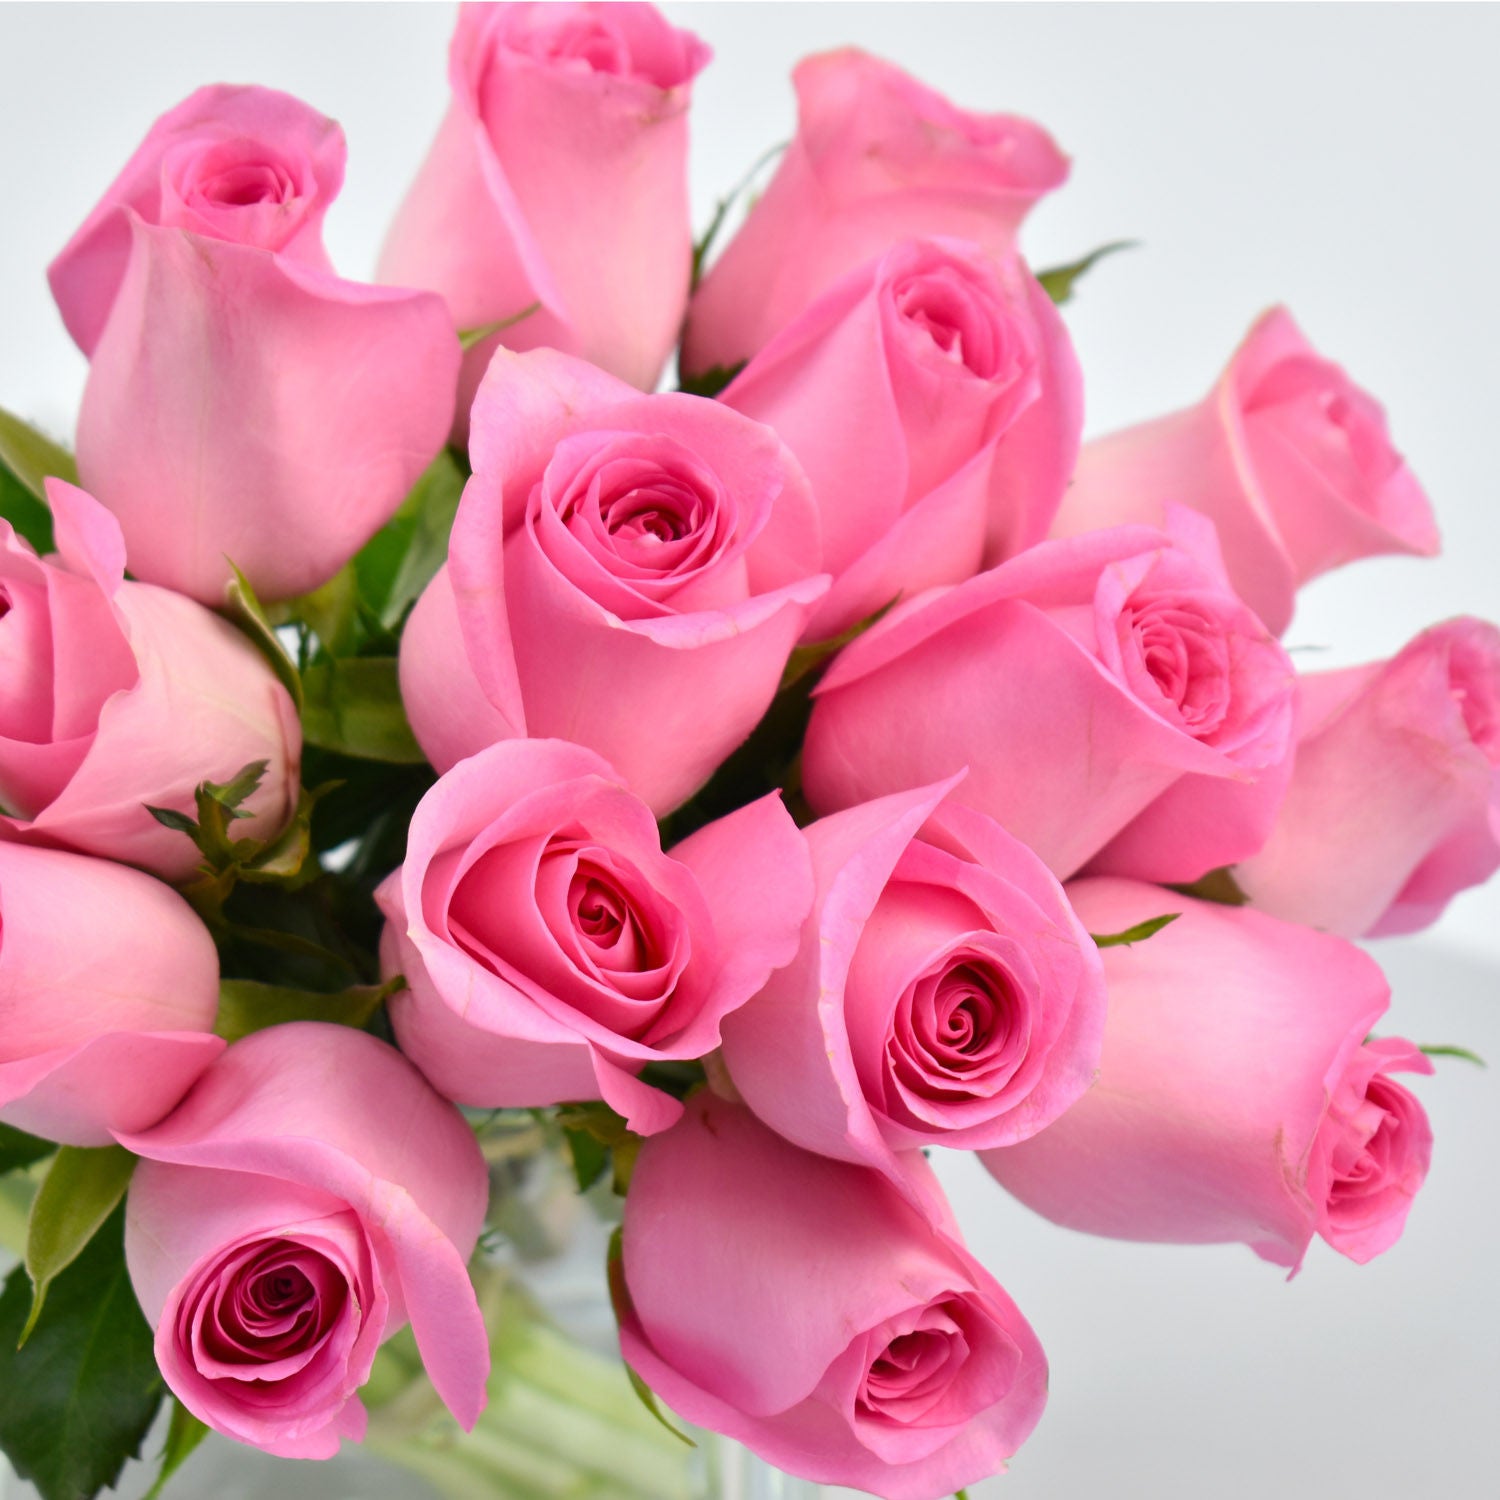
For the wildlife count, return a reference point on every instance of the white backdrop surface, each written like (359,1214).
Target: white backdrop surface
(1337,158)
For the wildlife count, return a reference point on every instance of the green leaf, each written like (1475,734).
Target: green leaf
(31,519)
(619,1296)
(1462,1053)
(332,611)
(247,1005)
(1137,934)
(711,381)
(590,1157)
(805,659)
(32,457)
(82,1188)
(354,706)
(78,1400)
(17,1149)
(1058,282)
(471,338)
(1218,886)
(184,1433)
(398,562)
(242,607)
(722,207)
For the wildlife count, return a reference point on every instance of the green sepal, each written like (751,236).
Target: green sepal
(619,1297)
(83,1186)
(1462,1053)
(247,1005)
(1218,886)
(472,338)
(79,1399)
(1137,934)
(721,210)
(245,610)
(1058,281)
(184,1433)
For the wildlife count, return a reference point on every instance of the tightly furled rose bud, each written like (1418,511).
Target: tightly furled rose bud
(878,157)
(1287,456)
(1239,1095)
(1081,683)
(117,695)
(803,1307)
(109,985)
(309,1197)
(243,401)
(1394,801)
(628,572)
(553,950)
(943,994)
(933,398)
(558,182)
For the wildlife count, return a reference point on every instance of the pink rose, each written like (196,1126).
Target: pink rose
(1394,802)
(878,157)
(558,181)
(109,985)
(934,400)
(243,401)
(944,993)
(115,696)
(1086,684)
(1238,1097)
(1287,456)
(628,572)
(553,951)
(310,1197)
(804,1308)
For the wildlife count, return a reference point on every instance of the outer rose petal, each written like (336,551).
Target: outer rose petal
(208,444)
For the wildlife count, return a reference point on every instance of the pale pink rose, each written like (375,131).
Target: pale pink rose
(878,157)
(243,401)
(628,572)
(117,696)
(552,950)
(943,994)
(308,1199)
(804,1308)
(1239,1097)
(1287,456)
(558,182)
(1086,684)
(109,985)
(933,398)
(1394,802)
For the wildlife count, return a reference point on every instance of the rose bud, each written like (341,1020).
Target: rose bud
(115,696)
(804,1308)
(933,398)
(552,950)
(628,572)
(310,1197)
(1394,802)
(1287,456)
(944,992)
(1239,1097)
(1081,682)
(558,183)
(878,157)
(109,985)
(244,402)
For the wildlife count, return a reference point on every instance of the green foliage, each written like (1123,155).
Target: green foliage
(598,1139)
(244,609)
(78,1400)
(1137,934)
(1059,281)
(82,1188)
(353,705)
(17,1149)
(472,338)
(619,1296)
(722,207)
(1462,1053)
(711,381)
(27,460)
(1218,886)
(184,1433)
(247,1005)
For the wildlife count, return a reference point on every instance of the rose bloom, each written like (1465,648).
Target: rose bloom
(1394,802)
(553,950)
(628,572)
(558,182)
(310,1197)
(1240,1096)
(243,401)
(878,157)
(805,1308)
(1287,456)
(109,985)
(117,695)
(1091,686)
(933,398)
(943,994)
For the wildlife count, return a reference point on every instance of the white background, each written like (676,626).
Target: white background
(1339,158)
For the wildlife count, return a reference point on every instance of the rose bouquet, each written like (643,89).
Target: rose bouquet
(451,774)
